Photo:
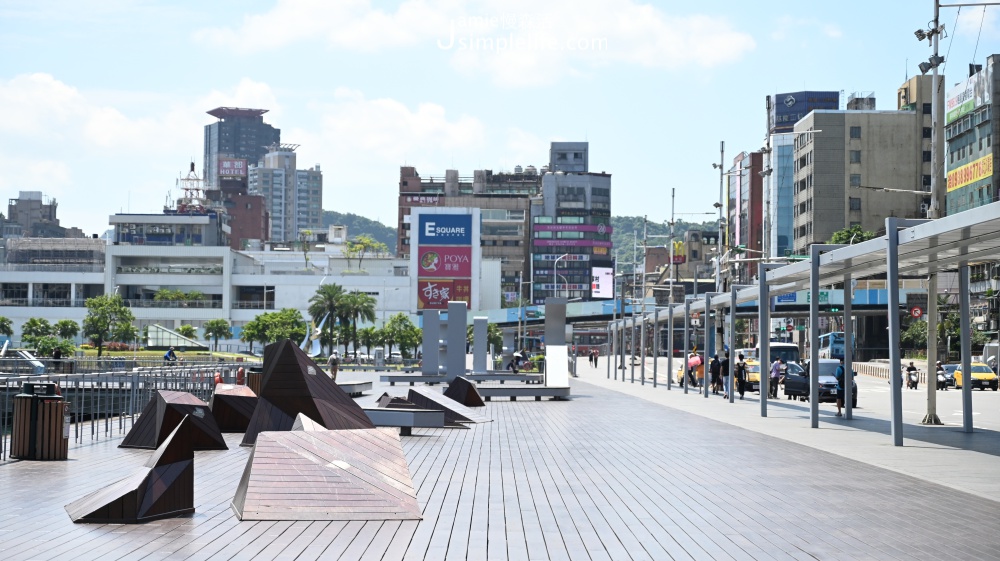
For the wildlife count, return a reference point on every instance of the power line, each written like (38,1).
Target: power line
(976,50)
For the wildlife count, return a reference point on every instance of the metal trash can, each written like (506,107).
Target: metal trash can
(255,376)
(41,430)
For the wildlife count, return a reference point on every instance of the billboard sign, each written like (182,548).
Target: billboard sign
(970,173)
(603,282)
(445,229)
(969,94)
(444,261)
(232,167)
(435,294)
(789,108)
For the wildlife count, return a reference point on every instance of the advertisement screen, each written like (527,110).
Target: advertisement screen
(445,229)
(445,261)
(603,283)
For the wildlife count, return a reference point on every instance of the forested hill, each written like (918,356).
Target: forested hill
(622,236)
(357,225)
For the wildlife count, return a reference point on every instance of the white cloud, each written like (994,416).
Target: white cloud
(787,27)
(971,20)
(515,42)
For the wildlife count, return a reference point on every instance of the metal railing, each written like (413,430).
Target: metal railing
(94,365)
(107,404)
(174,303)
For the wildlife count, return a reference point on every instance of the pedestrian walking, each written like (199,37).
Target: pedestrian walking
(714,370)
(741,375)
(841,392)
(775,377)
(333,363)
(597,354)
(724,370)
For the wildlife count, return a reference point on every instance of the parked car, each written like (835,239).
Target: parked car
(797,381)
(753,376)
(949,374)
(982,377)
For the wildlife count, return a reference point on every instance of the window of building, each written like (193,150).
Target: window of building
(927,132)
(570,235)
(855,132)
(855,203)
(855,180)
(927,155)
(928,109)
(570,220)
(926,179)
(561,156)
(694,254)
(855,156)
(543,220)
(543,235)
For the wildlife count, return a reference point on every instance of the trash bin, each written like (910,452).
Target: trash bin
(254,378)
(40,430)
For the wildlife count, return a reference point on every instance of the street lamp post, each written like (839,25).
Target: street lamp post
(555,277)
(520,314)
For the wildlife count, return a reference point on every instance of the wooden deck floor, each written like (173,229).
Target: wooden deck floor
(604,476)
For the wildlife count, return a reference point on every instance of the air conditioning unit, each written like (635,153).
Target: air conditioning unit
(924,207)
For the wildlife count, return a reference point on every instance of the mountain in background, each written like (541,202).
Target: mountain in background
(625,241)
(357,225)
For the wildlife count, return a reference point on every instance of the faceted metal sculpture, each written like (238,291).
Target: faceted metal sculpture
(454,412)
(232,406)
(394,401)
(162,414)
(463,391)
(162,488)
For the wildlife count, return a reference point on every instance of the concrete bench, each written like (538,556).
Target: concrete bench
(355,388)
(412,379)
(405,419)
(514,392)
(504,377)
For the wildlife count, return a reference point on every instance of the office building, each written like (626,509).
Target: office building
(746,212)
(969,128)
(239,134)
(293,197)
(32,214)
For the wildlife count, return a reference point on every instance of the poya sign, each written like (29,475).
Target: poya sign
(445,229)
(445,261)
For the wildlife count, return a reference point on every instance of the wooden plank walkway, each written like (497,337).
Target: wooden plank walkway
(604,477)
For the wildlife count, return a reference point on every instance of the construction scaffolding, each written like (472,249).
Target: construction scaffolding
(55,251)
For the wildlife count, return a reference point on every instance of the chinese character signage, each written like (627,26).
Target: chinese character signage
(232,167)
(435,294)
(445,229)
(444,261)
(603,283)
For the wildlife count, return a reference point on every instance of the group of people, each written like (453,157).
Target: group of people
(719,370)
(592,356)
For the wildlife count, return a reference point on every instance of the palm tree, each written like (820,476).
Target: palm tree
(326,303)
(356,306)
(67,328)
(6,327)
(215,329)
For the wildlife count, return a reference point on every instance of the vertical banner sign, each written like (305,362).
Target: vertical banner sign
(444,260)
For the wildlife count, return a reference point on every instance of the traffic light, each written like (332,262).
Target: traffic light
(834,309)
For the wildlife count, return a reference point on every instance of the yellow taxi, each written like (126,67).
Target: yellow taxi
(753,376)
(982,377)
(699,373)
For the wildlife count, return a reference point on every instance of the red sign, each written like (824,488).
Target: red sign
(444,262)
(916,312)
(434,294)
(232,167)
(789,327)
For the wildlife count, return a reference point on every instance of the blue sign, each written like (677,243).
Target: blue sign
(445,229)
(786,298)
(789,108)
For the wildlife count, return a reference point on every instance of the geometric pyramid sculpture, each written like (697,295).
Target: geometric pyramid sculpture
(454,412)
(451,419)
(358,474)
(293,383)
(162,488)
(463,391)
(163,412)
(305,423)
(395,402)
(232,406)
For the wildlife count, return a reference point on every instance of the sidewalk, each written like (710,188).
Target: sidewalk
(941,454)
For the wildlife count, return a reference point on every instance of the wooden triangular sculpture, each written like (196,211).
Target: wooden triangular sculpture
(232,406)
(162,488)
(387,400)
(162,414)
(306,424)
(454,412)
(463,391)
(293,383)
(357,474)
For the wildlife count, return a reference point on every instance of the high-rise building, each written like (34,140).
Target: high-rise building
(503,200)
(570,227)
(784,110)
(294,197)
(862,168)
(746,211)
(969,127)
(239,134)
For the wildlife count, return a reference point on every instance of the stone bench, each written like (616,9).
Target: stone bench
(504,377)
(355,388)
(514,392)
(412,379)
(405,419)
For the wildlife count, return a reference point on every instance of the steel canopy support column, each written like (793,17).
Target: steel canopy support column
(931,418)
(687,346)
(965,328)
(670,346)
(764,333)
(656,340)
(621,347)
(632,347)
(895,368)
(642,345)
(709,341)
(732,345)
(848,348)
(814,252)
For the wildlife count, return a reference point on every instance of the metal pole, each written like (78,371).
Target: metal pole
(642,342)
(848,348)
(687,345)
(895,368)
(632,346)
(710,348)
(813,337)
(937,129)
(670,298)
(732,345)
(931,418)
(656,340)
(670,346)
(966,342)
(718,241)
(764,335)
(610,353)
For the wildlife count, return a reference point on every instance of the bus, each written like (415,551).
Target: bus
(789,352)
(831,345)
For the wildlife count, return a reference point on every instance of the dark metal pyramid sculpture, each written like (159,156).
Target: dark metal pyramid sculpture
(390,401)
(463,391)
(327,475)
(163,412)
(293,383)
(232,406)
(162,488)
(454,412)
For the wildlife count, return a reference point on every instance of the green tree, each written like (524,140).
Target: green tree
(854,234)
(254,332)
(357,306)
(67,328)
(47,344)
(188,331)
(494,339)
(284,324)
(6,327)
(35,328)
(326,303)
(361,246)
(410,339)
(126,333)
(369,337)
(166,294)
(305,243)
(216,329)
(398,330)
(104,315)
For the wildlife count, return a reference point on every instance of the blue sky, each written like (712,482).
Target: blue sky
(105,100)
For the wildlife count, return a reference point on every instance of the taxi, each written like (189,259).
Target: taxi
(753,376)
(982,377)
